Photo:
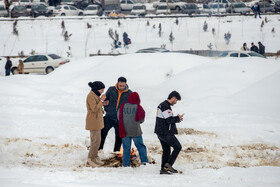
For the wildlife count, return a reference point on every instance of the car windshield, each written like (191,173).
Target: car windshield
(91,8)
(40,7)
(24,1)
(162,7)
(54,56)
(138,7)
(2,8)
(256,54)
(111,7)
(241,5)
(224,54)
(20,7)
(216,6)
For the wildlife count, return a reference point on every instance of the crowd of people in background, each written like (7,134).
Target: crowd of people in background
(260,49)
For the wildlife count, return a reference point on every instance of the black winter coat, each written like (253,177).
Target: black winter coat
(112,95)
(261,49)
(255,48)
(8,65)
(165,121)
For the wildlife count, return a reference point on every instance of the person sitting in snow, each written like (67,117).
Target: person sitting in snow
(131,115)
(94,120)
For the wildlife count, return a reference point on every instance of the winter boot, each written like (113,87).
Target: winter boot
(168,167)
(98,161)
(163,171)
(90,163)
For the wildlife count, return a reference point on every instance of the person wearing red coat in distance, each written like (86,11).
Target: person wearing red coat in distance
(131,115)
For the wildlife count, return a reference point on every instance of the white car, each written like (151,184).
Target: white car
(93,10)
(67,2)
(41,63)
(139,10)
(240,54)
(127,4)
(162,9)
(172,4)
(67,10)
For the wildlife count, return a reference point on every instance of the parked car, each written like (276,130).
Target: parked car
(3,11)
(153,50)
(39,10)
(163,9)
(139,10)
(240,8)
(240,54)
(212,8)
(93,10)
(83,4)
(67,2)
(41,63)
(172,4)
(67,10)
(111,8)
(190,9)
(127,4)
(266,7)
(24,2)
(277,6)
(18,11)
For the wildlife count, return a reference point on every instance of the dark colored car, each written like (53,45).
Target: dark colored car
(190,9)
(277,6)
(18,11)
(266,7)
(84,3)
(39,10)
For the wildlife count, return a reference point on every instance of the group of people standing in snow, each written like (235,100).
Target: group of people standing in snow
(9,65)
(260,49)
(124,113)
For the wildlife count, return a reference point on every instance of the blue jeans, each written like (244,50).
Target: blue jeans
(138,141)
(8,71)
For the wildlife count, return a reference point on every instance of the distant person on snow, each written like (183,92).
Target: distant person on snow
(254,48)
(126,40)
(20,67)
(8,66)
(116,95)
(261,48)
(256,9)
(244,47)
(94,120)
(166,129)
(131,115)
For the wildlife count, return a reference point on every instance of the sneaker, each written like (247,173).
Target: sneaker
(90,163)
(165,172)
(168,167)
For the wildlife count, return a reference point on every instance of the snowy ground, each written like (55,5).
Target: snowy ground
(45,36)
(230,134)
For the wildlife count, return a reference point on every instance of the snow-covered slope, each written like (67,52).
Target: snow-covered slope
(230,133)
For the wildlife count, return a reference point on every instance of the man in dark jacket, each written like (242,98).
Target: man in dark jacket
(261,48)
(254,48)
(166,129)
(256,9)
(116,95)
(8,66)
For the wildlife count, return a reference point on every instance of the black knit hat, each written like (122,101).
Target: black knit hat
(95,86)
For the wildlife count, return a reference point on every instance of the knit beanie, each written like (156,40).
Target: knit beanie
(95,86)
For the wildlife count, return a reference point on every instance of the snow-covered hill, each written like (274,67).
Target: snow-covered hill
(230,133)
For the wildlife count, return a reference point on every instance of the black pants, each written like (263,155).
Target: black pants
(168,141)
(108,124)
